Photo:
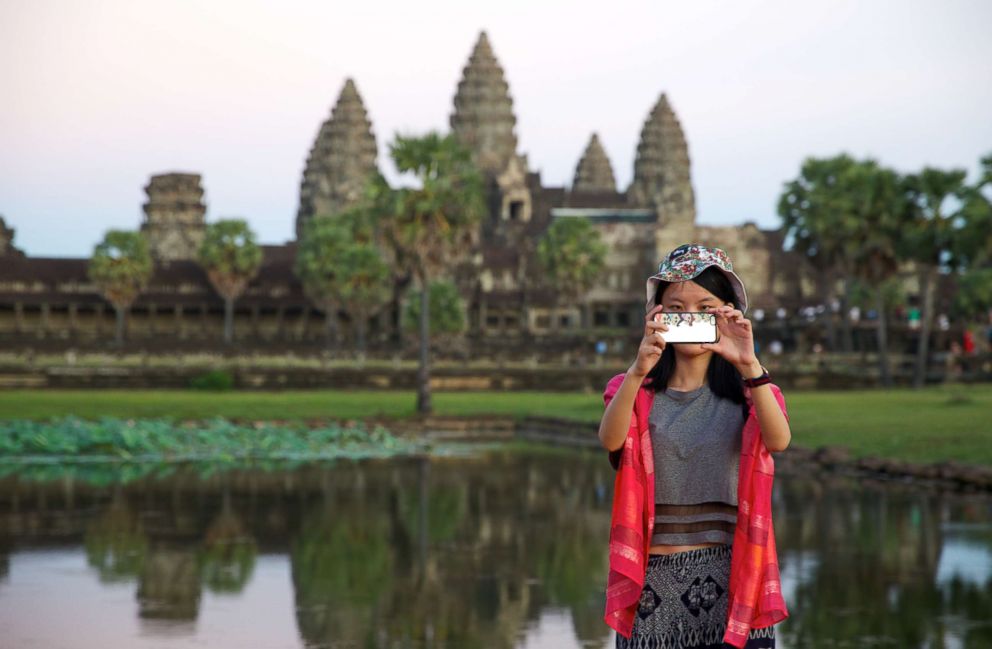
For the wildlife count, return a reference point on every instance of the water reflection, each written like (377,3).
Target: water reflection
(862,565)
(502,550)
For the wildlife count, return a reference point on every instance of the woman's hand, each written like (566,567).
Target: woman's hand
(736,342)
(652,345)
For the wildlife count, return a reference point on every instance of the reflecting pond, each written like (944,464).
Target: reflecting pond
(505,548)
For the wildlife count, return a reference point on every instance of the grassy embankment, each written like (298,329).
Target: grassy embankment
(923,426)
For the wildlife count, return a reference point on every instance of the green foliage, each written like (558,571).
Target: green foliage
(219,380)
(862,294)
(446,310)
(810,209)
(121,266)
(362,274)
(318,258)
(432,224)
(973,246)
(974,296)
(847,214)
(230,256)
(218,439)
(572,256)
(934,200)
(864,219)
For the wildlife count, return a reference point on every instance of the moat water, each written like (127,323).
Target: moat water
(500,549)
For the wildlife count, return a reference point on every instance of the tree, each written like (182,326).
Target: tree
(877,214)
(231,259)
(972,246)
(848,214)
(433,225)
(572,257)
(121,267)
(363,278)
(447,310)
(811,210)
(317,263)
(933,198)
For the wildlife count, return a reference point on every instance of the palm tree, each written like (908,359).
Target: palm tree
(971,255)
(121,266)
(848,214)
(432,226)
(811,211)
(231,259)
(877,215)
(932,197)
(572,257)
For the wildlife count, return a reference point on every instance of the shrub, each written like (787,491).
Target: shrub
(213,380)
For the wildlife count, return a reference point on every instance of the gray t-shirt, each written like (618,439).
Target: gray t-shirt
(696,442)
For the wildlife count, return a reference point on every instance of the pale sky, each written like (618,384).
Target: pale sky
(95,96)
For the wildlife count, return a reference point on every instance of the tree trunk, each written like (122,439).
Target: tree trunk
(845,317)
(829,293)
(926,317)
(119,330)
(883,338)
(423,372)
(228,320)
(361,322)
(330,326)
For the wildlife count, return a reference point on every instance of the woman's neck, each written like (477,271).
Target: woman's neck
(690,373)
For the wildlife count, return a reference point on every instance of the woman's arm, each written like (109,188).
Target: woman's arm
(775,430)
(618,418)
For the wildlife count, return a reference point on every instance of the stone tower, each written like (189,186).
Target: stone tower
(662,178)
(483,119)
(7,240)
(594,172)
(484,122)
(341,161)
(174,222)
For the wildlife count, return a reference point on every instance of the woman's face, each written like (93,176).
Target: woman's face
(683,297)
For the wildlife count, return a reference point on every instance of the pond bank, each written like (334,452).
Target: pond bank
(73,440)
(948,475)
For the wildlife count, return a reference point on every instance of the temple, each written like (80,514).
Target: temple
(50,300)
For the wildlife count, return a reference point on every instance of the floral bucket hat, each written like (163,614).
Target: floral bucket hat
(686,262)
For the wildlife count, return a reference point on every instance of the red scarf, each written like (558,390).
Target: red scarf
(755,592)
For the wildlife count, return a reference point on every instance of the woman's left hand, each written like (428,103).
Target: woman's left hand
(736,342)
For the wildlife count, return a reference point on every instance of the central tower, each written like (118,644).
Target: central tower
(483,121)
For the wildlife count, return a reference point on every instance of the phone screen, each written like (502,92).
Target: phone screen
(688,326)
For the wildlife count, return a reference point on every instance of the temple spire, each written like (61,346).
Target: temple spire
(594,172)
(341,161)
(662,163)
(483,118)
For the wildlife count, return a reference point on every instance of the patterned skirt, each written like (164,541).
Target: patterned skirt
(684,603)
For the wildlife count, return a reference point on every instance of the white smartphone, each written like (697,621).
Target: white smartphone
(689,326)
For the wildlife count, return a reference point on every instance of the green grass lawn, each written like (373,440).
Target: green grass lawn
(925,425)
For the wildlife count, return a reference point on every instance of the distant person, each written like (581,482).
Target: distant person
(968,342)
(687,427)
(954,368)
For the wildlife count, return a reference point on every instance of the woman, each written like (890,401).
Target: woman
(690,428)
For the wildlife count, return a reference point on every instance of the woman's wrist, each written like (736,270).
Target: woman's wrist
(631,373)
(751,370)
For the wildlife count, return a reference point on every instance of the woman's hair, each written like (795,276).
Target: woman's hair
(723,378)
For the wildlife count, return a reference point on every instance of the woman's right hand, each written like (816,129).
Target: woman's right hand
(652,345)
